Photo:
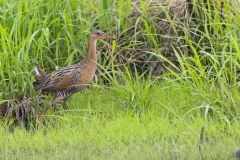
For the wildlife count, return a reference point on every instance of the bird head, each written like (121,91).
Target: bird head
(98,34)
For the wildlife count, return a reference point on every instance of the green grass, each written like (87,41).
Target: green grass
(136,115)
(97,127)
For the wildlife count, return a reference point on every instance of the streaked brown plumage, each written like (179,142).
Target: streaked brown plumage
(68,80)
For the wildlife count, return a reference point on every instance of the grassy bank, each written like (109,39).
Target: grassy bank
(98,126)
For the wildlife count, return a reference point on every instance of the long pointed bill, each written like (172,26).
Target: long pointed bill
(109,37)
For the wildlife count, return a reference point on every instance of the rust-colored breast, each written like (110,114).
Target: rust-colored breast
(87,74)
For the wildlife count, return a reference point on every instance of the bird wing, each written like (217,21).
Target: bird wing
(62,79)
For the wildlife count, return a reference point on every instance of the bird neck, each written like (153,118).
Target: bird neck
(92,55)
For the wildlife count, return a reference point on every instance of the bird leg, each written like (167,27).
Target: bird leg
(64,103)
(49,104)
(52,103)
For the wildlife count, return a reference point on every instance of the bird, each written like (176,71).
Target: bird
(66,81)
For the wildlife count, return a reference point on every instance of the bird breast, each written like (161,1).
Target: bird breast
(88,73)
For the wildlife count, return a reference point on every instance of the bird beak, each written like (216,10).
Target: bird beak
(108,37)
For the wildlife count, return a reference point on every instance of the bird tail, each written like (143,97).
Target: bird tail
(39,75)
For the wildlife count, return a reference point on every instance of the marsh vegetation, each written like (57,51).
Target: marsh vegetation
(167,87)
